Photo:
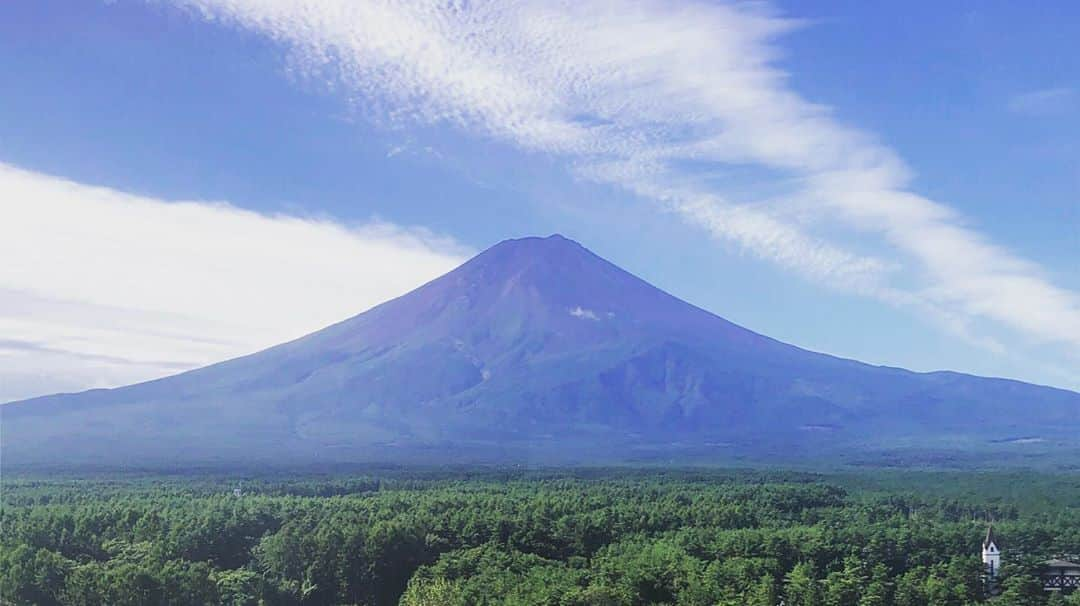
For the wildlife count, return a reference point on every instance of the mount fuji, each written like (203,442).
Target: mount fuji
(537,350)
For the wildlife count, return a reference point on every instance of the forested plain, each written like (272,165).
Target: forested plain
(510,536)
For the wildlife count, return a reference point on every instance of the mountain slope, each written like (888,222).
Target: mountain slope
(535,349)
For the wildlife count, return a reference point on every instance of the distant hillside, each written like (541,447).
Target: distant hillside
(537,350)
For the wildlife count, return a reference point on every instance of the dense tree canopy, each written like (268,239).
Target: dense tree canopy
(561,538)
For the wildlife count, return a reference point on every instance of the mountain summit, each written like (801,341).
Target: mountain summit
(537,350)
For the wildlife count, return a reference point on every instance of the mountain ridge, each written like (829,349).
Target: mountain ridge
(541,347)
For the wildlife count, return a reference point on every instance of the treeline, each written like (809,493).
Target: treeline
(506,537)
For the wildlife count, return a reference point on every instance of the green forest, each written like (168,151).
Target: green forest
(381,537)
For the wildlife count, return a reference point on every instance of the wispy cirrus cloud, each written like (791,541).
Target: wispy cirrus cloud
(101,288)
(1044,101)
(630,92)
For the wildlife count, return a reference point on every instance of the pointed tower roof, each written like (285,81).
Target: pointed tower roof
(990,538)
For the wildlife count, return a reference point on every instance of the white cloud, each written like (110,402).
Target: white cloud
(100,288)
(631,91)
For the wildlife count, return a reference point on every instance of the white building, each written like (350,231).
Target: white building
(991,554)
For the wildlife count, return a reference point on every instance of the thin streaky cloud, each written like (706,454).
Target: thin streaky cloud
(16,346)
(1044,102)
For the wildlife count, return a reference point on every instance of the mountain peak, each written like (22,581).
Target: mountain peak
(556,253)
(537,243)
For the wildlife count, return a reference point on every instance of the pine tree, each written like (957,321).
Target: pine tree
(877,590)
(801,588)
(1021,590)
(763,593)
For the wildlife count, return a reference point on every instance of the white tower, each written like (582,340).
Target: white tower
(991,554)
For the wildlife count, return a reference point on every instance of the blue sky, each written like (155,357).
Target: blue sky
(184,181)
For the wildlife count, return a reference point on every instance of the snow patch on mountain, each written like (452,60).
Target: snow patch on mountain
(584,314)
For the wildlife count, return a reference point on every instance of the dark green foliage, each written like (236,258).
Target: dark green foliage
(566,538)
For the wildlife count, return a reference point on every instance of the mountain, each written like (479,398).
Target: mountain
(538,350)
